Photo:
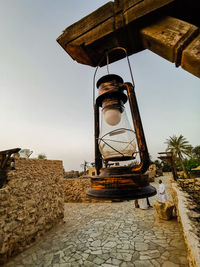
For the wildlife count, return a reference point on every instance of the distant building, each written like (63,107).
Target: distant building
(92,171)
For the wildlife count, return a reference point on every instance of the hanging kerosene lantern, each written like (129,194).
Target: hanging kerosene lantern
(115,141)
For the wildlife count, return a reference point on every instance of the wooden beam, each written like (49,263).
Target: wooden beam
(5,156)
(191,57)
(86,24)
(13,150)
(136,25)
(114,24)
(6,159)
(168,37)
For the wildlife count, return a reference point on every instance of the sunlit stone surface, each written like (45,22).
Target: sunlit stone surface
(108,234)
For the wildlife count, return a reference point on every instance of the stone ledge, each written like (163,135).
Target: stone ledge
(191,239)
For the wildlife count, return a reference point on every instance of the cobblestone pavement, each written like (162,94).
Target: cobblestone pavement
(108,234)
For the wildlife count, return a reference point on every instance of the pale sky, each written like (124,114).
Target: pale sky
(46,97)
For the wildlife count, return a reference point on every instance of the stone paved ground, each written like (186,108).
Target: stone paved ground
(108,234)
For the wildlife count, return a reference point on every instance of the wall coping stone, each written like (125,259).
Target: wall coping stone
(192,240)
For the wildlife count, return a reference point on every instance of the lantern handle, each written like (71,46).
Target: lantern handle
(107,63)
(141,141)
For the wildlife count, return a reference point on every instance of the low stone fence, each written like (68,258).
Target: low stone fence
(191,186)
(30,203)
(190,226)
(75,190)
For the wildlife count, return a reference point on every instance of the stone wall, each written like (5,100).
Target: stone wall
(30,203)
(189,226)
(75,190)
(191,186)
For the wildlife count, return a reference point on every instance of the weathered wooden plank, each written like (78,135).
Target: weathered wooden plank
(78,53)
(191,57)
(5,156)
(142,8)
(123,5)
(168,37)
(97,33)
(135,25)
(13,150)
(106,22)
(87,23)
(79,49)
(130,3)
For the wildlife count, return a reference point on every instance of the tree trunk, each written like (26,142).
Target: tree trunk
(186,174)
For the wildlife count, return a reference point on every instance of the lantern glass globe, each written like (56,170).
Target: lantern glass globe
(112,116)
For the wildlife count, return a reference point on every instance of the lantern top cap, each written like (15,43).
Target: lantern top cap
(108,78)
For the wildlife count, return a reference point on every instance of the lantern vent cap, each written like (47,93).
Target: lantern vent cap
(108,78)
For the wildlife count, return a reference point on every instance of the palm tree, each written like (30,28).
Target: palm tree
(85,166)
(196,152)
(179,146)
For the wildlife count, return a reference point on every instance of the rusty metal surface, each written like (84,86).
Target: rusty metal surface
(121,188)
(98,158)
(141,141)
(118,88)
(109,87)
(121,182)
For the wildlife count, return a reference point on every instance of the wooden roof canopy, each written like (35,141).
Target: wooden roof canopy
(169,28)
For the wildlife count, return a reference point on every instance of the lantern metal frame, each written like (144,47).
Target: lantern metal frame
(120,182)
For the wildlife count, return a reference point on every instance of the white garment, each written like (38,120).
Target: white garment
(162,193)
(143,204)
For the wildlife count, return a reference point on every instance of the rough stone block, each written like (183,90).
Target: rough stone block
(164,210)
